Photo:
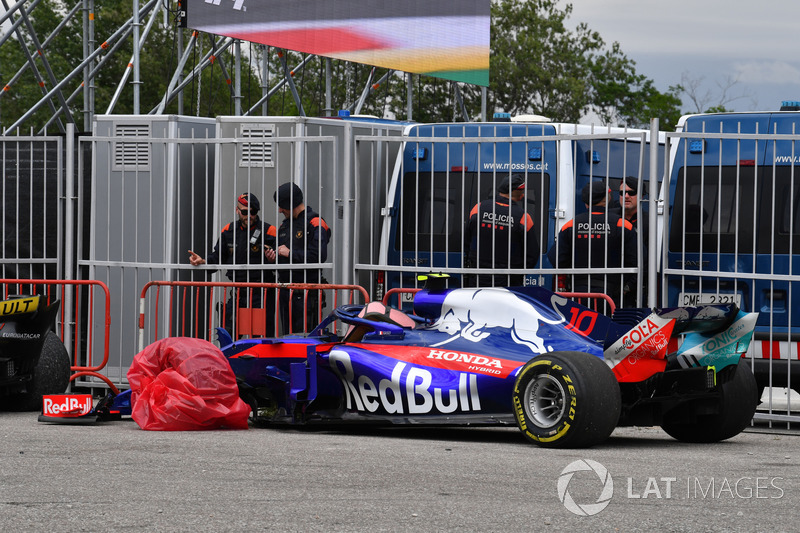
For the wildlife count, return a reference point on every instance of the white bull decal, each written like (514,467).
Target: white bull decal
(469,314)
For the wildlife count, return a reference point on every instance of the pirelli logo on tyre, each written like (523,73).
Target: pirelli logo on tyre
(545,401)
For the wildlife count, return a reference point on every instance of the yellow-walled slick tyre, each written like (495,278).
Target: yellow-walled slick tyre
(566,400)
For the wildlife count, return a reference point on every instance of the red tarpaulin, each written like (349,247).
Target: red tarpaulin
(181,383)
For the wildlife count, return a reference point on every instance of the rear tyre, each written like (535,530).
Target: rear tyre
(51,376)
(738,402)
(566,400)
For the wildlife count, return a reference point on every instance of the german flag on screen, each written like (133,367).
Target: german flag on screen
(444,38)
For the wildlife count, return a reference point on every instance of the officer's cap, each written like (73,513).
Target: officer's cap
(594,192)
(250,201)
(288,196)
(511,183)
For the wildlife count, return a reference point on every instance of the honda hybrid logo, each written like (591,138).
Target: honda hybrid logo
(238,5)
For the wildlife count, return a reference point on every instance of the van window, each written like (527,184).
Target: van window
(435,206)
(723,217)
(706,204)
(787,212)
(432,207)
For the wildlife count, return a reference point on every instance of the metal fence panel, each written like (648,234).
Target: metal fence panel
(443,171)
(33,207)
(732,235)
(148,201)
(145,191)
(167,190)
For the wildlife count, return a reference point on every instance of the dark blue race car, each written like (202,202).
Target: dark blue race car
(564,374)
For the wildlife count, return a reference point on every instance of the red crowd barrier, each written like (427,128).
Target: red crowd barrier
(190,306)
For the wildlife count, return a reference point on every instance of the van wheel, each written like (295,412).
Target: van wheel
(566,400)
(738,402)
(51,376)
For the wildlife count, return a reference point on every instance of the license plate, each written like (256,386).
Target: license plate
(691,299)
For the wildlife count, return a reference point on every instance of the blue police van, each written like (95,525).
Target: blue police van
(444,170)
(734,226)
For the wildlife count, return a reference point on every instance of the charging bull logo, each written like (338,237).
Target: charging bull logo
(471,315)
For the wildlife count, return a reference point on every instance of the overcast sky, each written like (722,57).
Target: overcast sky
(757,43)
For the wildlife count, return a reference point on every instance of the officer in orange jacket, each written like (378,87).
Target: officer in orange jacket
(303,238)
(500,234)
(596,239)
(245,241)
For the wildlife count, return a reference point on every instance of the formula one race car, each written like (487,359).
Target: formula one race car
(564,374)
(33,360)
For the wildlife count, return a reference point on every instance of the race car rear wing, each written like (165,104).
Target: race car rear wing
(686,337)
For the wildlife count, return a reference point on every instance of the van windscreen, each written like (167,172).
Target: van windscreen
(785,238)
(434,206)
(715,208)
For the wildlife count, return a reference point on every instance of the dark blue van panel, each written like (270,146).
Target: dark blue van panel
(735,208)
(442,181)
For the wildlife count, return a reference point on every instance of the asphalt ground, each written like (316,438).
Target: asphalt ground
(116,477)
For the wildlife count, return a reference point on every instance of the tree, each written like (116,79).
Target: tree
(539,66)
(706,101)
(623,97)
(536,64)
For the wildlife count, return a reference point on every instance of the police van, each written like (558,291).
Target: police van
(444,170)
(734,226)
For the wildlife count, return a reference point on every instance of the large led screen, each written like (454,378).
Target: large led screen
(444,38)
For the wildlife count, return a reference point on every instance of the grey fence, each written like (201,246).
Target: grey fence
(732,235)
(125,205)
(426,197)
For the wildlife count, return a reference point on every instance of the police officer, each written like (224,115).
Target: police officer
(629,208)
(596,239)
(500,234)
(245,241)
(303,238)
